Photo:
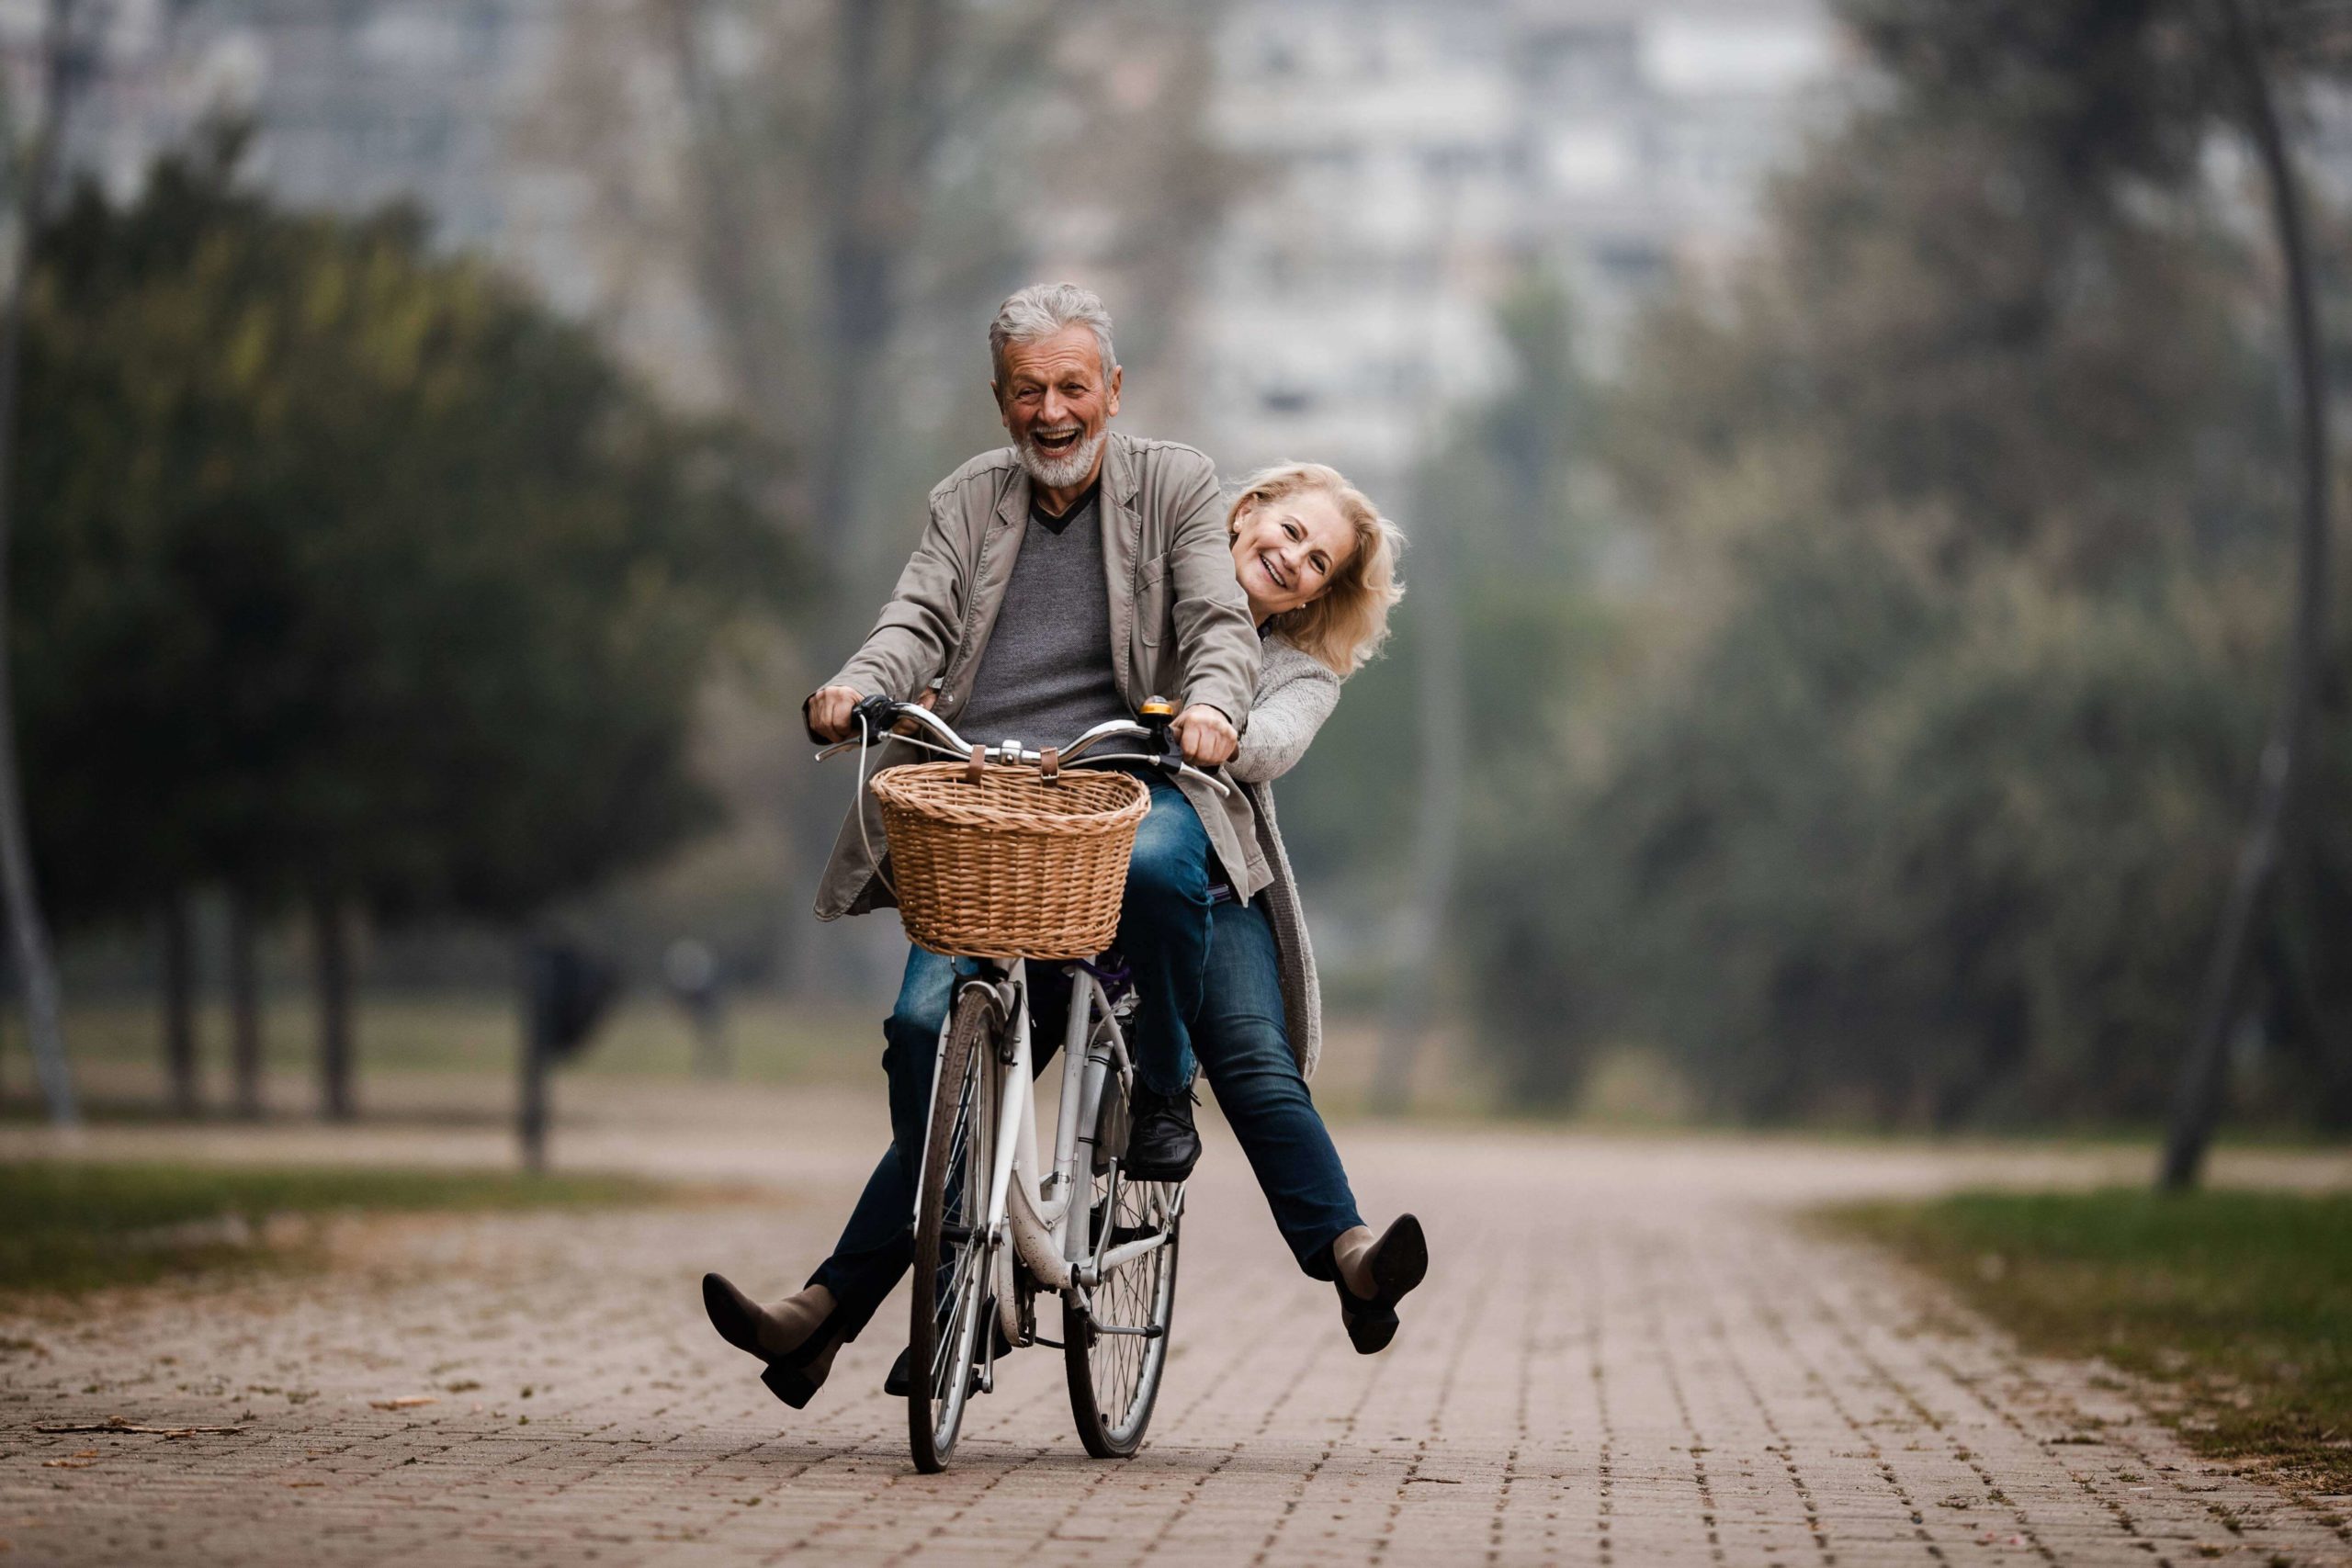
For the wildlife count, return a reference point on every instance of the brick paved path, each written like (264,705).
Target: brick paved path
(1627,1357)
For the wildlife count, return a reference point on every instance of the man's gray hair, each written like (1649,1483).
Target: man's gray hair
(1041,310)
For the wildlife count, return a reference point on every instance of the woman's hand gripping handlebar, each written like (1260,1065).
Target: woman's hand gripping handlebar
(875,717)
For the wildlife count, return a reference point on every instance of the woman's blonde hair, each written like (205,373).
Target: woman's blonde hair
(1344,626)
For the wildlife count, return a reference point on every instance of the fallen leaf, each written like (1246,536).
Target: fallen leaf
(406,1402)
(67,1463)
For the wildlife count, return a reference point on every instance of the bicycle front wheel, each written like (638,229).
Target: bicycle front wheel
(950,1286)
(1114,1355)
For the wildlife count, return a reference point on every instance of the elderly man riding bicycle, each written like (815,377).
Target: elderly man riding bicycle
(1061,582)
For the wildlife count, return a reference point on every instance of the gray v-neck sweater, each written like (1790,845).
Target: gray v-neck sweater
(1046,674)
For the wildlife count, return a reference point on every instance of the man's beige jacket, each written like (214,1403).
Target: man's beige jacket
(1179,626)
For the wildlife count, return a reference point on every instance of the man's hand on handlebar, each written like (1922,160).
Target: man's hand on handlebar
(829,712)
(1206,736)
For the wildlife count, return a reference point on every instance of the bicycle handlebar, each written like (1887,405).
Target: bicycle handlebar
(875,715)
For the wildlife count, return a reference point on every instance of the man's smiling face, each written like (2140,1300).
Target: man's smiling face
(1057,404)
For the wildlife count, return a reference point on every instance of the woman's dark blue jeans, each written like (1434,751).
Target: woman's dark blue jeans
(1244,1050)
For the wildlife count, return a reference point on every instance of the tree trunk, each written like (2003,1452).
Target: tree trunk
(179,1007)
(2197,1107)
(2303,1022)
(531,1086)
(886,84)
(331,943)
(36,969)
(244,1009)
(1437,830)
(754,338)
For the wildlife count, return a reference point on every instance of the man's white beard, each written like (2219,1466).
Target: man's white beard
(1070,468)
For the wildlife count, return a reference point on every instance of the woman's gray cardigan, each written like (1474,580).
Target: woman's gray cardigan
(1297,693)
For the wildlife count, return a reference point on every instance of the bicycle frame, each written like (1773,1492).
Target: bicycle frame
(1049,1231)
(1038,1217)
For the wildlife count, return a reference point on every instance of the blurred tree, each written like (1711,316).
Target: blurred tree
(805,212)
(785,197)
(352,577)
(1507,494)
(2123,95)
(31,172)
(1503,596)
(1917,808)
(2283,804)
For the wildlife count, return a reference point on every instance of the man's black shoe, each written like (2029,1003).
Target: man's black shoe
(1161,1144)
(899,1384)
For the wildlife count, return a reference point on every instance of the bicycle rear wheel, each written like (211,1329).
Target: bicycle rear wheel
(1114,1357)
(952,1264)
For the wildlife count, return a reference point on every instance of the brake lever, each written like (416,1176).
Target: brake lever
(1182,767)
(1171,764)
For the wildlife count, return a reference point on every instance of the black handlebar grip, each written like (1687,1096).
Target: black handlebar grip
(878,712)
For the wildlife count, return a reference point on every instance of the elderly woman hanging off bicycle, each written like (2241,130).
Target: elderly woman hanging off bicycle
(1060,583)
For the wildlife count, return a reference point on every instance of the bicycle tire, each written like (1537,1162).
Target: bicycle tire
(951,1261)
(1114,1378)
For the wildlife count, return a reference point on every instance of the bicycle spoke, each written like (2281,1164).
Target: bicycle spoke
(961,1298)
(953,1311)
(951,1246)
(1116,1338)
(1127,1300)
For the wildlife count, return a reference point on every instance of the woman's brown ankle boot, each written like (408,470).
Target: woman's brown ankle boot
(795,1338)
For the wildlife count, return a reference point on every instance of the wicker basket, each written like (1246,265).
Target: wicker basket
(1011,866)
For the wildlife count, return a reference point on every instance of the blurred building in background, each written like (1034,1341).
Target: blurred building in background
(1390,167)
(1413,157)
(355,103)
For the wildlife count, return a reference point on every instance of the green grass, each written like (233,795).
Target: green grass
(770,1040)
(116,1047)
(2238,1305)
(69,1226)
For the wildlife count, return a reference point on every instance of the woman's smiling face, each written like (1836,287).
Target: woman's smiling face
(1284,550)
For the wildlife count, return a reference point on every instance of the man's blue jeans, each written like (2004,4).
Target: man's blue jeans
(1164,936)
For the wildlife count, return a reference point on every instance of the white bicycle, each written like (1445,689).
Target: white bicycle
(993,1229)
